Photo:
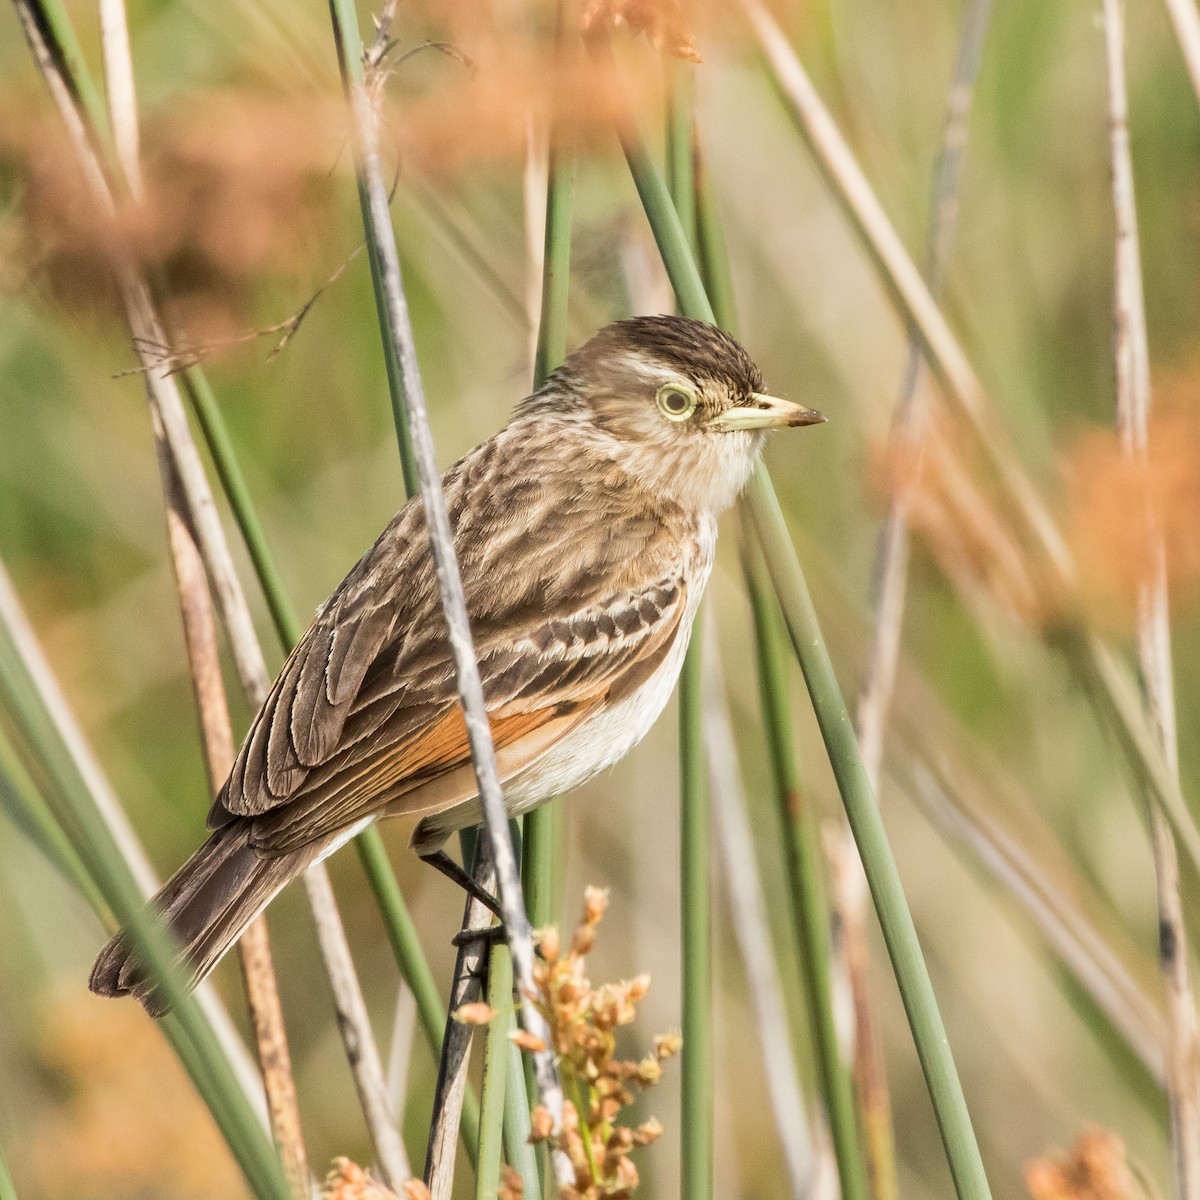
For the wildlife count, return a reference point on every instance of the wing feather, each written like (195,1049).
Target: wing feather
(365,710)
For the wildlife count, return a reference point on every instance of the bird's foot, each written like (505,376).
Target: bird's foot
(440,860)
(490,936)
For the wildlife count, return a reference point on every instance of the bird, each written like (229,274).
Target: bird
(585,531)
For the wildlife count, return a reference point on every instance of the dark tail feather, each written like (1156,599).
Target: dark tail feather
(208,902)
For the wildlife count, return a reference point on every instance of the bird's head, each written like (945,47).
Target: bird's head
(678,403)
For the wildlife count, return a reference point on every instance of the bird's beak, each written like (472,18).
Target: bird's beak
(767,412)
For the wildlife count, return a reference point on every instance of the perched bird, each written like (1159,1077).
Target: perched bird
(585,531)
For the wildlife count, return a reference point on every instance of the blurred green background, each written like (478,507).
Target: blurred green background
(1029,291)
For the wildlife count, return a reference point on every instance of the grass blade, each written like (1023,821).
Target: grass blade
(797,834)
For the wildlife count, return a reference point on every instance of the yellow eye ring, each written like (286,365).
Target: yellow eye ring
(676,402)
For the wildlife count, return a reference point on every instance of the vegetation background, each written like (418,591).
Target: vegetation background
(255,208)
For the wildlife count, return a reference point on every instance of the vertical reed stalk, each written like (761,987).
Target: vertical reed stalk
(1153,623)
(908,963)
(394,320)
(804,864)
(695,811)
(495,1075)
(798,835)
(200,638)
(748,913)
(899,932)
(454,1061)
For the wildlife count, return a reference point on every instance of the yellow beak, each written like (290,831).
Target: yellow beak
(767,412)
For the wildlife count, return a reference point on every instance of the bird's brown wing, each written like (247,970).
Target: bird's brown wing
(365,709)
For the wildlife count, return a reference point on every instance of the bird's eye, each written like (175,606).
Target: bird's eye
(675,403)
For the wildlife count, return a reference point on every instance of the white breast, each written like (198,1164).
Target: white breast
(596,744)
(604,739)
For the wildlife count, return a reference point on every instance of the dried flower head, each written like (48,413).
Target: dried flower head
(512,1186)
(1095,1169)
(1120,507)
(660,20)
(583,1021)
(348,1181)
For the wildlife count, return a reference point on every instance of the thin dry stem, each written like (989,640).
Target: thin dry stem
(167,405)
(1153,626)
(216,733)
(1070,934)
(355,1027)
(119,91)
(465,988)
(466,668)
(749,915)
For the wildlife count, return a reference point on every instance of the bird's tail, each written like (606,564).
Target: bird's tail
(207,903)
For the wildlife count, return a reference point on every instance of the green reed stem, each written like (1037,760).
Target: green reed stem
(520,1153)
(695,811)
(189,1032)
(543,827)
(908,963)
(695,899)
(862,811)
(495,1074)
(8,1189)
(804,866)
(21,796)
(237,492)
(798,835)
(714,254)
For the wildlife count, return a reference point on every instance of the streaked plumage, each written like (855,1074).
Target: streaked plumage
(585,532)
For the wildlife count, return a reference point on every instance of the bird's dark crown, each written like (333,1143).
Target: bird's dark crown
(697,350)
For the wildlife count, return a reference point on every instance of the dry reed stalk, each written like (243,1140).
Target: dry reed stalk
(149,336)
(1153,625)
(216,735)
(397,330)
(357,1036)
(1067,930)
(466,987)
